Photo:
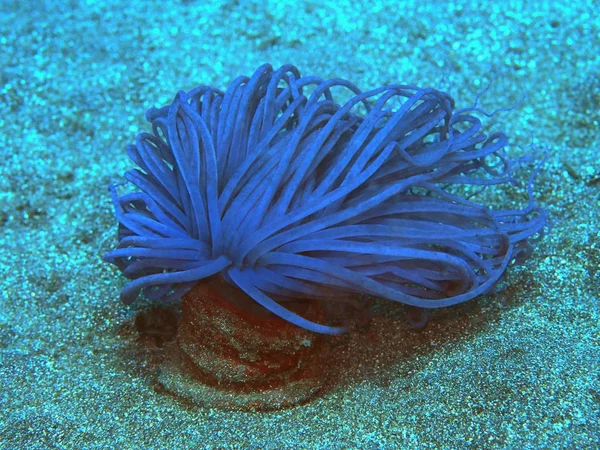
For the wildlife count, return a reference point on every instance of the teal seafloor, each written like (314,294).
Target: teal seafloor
(515,369)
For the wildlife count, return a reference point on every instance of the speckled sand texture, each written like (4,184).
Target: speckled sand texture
(516,369)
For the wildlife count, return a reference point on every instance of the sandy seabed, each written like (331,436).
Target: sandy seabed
(515,369)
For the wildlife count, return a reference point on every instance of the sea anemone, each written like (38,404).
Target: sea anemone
(293,187)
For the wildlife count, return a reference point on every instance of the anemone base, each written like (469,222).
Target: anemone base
(231,355)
